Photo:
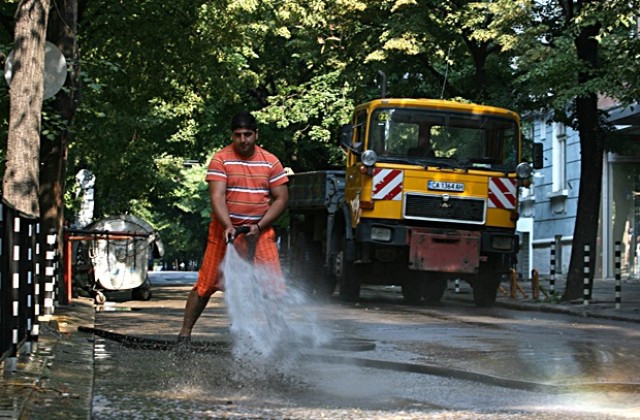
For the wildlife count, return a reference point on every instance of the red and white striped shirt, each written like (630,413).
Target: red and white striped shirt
(248,181)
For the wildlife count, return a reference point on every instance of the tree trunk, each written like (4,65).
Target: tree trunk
(21,178)
(591,163)
(53,153)
(62,32)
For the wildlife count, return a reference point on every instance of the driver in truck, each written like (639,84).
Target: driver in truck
(424,148)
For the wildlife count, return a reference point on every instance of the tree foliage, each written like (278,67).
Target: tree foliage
(160,81)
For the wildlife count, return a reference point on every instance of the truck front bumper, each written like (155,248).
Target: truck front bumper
(438,249)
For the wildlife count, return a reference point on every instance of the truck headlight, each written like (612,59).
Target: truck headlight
(502,243)
(381,234)
(369,158)
(524,170)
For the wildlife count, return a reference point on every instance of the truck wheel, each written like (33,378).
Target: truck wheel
(307,267)
(484,295)
(326,286)
(411,292)
(486,284)
(348,282)
(301,262)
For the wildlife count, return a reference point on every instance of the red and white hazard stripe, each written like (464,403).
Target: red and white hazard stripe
(387,184)
(502,193)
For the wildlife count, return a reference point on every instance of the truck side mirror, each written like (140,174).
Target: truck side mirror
(538,156)
(345,135)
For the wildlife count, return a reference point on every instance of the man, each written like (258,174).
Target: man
(247,187)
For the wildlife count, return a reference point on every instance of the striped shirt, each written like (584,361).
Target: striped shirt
(248,181)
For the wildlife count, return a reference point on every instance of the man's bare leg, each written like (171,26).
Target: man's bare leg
(192,311)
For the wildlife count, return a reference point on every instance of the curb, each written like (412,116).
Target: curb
(556,308)
(564,309)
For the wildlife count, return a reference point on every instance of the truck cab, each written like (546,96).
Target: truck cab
(430,193)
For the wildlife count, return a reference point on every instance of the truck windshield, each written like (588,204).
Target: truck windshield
(419,135)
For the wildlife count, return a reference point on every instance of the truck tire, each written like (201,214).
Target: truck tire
(307,267)
(347,275)
(486,284)
(484,295)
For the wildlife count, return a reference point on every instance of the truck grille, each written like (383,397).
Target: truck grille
(434,207)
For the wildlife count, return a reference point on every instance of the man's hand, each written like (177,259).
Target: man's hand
(229,234)
(254,230)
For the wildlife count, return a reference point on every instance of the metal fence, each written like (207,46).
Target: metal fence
(25,273)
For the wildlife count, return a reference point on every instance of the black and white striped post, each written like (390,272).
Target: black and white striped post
(585,285)
(3,271)
(33,298)
(49,274)
(14,270)
(457,285)
(27,284)
(617,254)
(552,269)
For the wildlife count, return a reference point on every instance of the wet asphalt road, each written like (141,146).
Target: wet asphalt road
(448,361)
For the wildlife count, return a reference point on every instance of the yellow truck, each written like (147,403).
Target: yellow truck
(429,194)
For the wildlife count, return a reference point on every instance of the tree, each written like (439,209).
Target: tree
(568,53)
(447,49)
(141,120)
(20,182)
(58,118)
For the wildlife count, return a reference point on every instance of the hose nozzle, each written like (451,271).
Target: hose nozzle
(239,231)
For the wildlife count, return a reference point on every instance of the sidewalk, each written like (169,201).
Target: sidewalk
(602,304)
(56,380)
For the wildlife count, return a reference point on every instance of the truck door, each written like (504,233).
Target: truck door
(354,179)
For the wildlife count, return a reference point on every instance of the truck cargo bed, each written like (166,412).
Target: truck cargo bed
(316,189)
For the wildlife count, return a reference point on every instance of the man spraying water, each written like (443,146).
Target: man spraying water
(247,188)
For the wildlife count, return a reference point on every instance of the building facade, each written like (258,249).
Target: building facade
(548,208)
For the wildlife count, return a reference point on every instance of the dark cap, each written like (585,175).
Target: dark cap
(244,119)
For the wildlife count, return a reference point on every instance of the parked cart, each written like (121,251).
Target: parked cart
(113,254)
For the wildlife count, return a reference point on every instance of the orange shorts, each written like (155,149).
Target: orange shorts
(210,279)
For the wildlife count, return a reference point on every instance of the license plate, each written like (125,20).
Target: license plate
(445,186)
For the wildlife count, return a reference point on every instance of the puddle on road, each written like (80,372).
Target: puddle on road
(141,384)
(269,332)
(266,376)
(556,362)
(157,384)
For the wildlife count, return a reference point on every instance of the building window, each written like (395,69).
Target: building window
(559,150)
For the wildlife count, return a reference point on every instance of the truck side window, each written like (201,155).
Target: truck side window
(360,124)
(377,133)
